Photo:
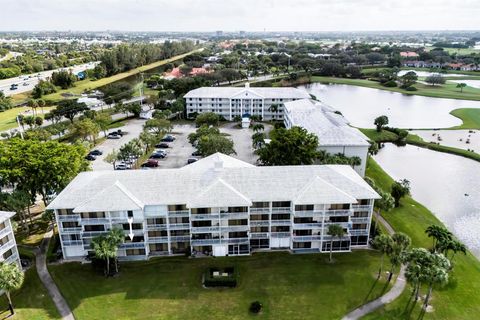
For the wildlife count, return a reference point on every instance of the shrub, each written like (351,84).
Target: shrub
(390,84)
(229,281)
(411,88)
(255,307)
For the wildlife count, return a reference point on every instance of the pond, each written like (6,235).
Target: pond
(448,185)
(362,105)
(470,83)
(427,73)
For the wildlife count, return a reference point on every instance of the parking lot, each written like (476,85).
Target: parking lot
(179,150)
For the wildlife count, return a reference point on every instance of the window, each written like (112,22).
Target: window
(135,252)
(304,207)
(130,213)
(97,227)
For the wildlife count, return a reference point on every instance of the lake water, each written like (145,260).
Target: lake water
(427,73)
(470,83)
(448,185)
(362,105)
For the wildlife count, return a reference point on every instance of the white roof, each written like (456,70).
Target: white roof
(331,128)
(4,215)
(246,92)
(219,158)
(211,185)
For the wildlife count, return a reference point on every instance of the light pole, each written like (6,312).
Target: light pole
(19,127)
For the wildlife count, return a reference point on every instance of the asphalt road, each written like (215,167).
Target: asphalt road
(29,81)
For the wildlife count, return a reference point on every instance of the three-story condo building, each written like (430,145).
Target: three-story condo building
(230,102)
(8,245)
(217,206)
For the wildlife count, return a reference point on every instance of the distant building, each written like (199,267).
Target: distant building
(8,245)
(334,134)
(409,54)
(238,101)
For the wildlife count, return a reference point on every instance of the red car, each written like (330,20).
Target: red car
(150,163)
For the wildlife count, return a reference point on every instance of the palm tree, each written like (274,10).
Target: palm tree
(455,246)
(461,86)
(400,244)
(334,230)
(258,127)
(384,244)
(436,273)
(116,236)
(104,249)
(414,272)
(258,140)
(41,103)
(273,108)
(32,103)
(355,161)
(440,236)
(11,278)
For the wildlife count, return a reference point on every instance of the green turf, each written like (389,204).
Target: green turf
(382,136)
(447,90)
(8,118)
(460,298)
(469,116)
(289,286)
(32,301)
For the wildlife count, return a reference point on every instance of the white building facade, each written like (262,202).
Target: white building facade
(8,245)
(334,134)
(230,102)
(217,206)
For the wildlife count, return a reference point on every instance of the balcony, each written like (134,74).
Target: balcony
(260,210)
(68,217)
(205,216)
(237,240)
(203,242)
(90,234)
(69,243)
(157,239)
(360,219)
(305,214)
(85,221)
(344,212)
(280,234)
(307,238)
(179,213)
(156,227)
(342,224)
(309,225)
(259,222)
(234,215)
(132,245)
(7,245)
(125,219)
(359,207)
(179,226)
(359,232)
(70,230)
(179,238)
(235,228)
(5,231)
(205,229)
(281,210)
(258,235)
(13,258)
(281,222)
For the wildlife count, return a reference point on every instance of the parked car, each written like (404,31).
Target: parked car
(191,160)
(96,152)
(25,84)
(150,163)
(196,153)
(121,166)
(113,136)
(90,157)
(116,133)
(162,145)
(168,138)
(157,156)
(161,151)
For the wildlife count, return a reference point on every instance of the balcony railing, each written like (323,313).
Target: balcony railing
(155,227)
(179,213)
(5,231)
(360,219)
(308,225)
(258,235)
(88,234)
(94,221)
(235,228)
(359,232)
(7,245)
(237,240)
(234,215)
(179,238)
(281,222)
(11,259)
(68,217)
(179,226)
(281,210)
(205,229)
(342,224)
(202,242)
(361,207)
(260,210)
(259,222)
(132,245)
(307,238)
(305,214)
(157,239)
(69,243)
(70,229)
(205,216)
(343,212)
(280,234)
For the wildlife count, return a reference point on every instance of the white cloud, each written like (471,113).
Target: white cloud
(209,15)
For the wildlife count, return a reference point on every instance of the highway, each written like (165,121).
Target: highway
(29,81)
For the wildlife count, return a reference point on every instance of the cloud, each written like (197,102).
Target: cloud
(210,15)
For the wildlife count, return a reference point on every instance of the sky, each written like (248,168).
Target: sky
(247,15)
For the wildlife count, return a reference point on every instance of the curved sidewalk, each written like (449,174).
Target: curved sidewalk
(388,297)
(41,264)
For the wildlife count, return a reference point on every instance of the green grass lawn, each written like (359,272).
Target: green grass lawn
(469,116)
(31,302)
(460,298)
(289,286)
(382,136)
(447,90)
(86,85)
(8,118)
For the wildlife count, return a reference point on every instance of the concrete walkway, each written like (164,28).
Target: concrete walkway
(388,297)
(41,263)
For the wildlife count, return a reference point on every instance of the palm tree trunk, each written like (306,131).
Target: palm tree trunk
(391,273)
(10,304)
(381,266)
(116,265)
(108,267)
(331,249)
(428,296)
(417,290)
